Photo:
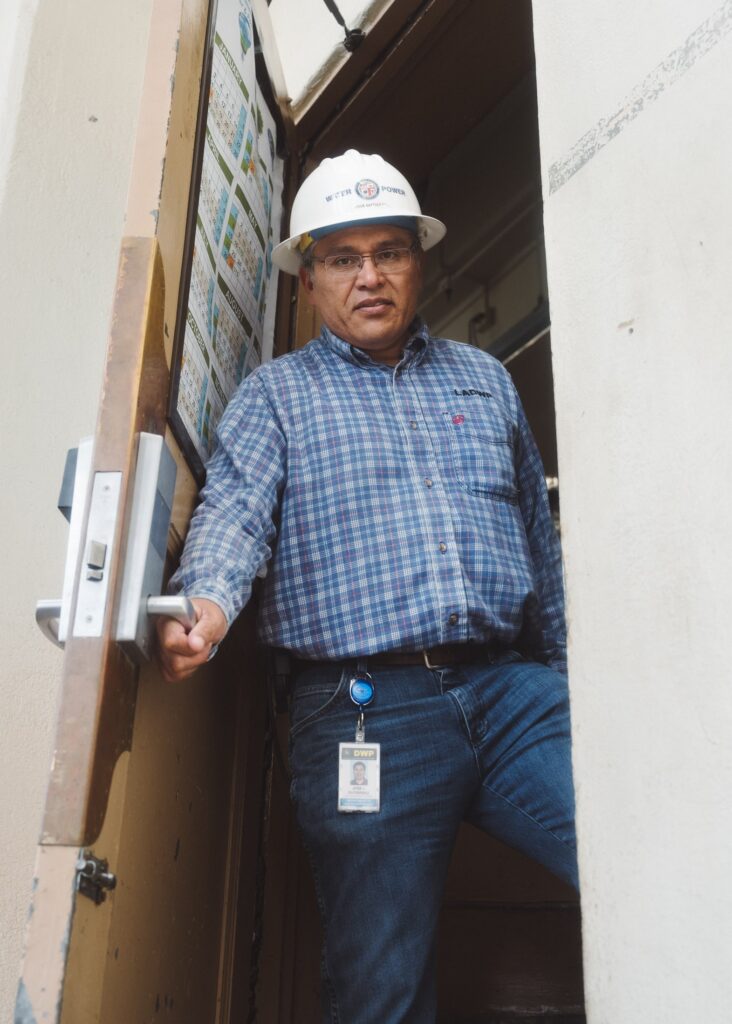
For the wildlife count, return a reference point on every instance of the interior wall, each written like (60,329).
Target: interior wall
(635,104)
(69,95)
(488,192)
(489,311)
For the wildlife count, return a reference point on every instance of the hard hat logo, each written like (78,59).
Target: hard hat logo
(338,195)
(347,191)
(367,189)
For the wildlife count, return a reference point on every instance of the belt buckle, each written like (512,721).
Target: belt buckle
(428,663)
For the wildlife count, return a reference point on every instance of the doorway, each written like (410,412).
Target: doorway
(451,101)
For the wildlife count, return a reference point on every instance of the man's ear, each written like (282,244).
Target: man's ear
(306,279)
(419,259)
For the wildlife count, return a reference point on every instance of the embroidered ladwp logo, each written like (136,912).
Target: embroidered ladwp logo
(472,391)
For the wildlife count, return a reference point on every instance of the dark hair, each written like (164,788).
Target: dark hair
(307,259)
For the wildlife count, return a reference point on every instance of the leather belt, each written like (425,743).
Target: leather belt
(433,657)
(437,657)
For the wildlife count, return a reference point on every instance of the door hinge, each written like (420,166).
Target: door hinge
(93,877)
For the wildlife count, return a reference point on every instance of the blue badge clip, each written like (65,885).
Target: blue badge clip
(362,690)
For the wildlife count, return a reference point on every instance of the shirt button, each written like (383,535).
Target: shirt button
(453,620)
(428,482)
(443,547)
(413,424)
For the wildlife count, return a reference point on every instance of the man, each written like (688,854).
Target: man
(388,484)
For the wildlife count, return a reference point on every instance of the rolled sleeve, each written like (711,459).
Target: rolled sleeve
(545,550)
(232,532)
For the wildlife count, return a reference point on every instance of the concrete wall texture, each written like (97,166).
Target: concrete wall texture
(69,95)
(635,104)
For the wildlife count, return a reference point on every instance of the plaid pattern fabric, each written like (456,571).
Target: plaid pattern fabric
(388,509)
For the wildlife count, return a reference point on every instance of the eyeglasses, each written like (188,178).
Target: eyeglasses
(386,261)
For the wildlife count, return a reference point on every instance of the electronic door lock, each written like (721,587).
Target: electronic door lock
(52,616)
(147,542)
(147,537)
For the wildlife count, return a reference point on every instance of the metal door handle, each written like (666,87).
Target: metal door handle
(179,608)
(48,613)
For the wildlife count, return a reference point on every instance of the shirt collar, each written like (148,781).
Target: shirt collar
(414,350)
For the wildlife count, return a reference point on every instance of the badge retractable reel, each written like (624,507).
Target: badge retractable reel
(359,763)
(361,690)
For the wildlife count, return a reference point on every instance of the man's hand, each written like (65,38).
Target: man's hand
(180,652)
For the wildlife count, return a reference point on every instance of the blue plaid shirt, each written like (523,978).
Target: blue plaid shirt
(389,508)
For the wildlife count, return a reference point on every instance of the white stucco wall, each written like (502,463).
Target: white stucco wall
(70,78)
(16,18)
(635,105)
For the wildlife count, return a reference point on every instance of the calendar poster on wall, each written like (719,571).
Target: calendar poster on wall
(227,321)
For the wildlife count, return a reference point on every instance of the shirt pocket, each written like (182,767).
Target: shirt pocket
(482,457)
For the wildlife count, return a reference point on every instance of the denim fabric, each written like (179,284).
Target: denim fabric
(489,744)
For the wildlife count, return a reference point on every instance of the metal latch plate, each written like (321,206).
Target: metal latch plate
(94,585)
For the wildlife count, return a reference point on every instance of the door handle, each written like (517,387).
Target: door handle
(48,614)
(179,608)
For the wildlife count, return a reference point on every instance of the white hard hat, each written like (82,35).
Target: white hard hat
(346,191)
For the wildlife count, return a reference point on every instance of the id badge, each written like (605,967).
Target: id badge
(359,777)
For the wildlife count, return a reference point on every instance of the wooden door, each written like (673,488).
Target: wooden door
(162,782)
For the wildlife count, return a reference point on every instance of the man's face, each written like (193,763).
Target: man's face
(371,310)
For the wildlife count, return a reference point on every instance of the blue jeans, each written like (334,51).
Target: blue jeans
(489,744)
